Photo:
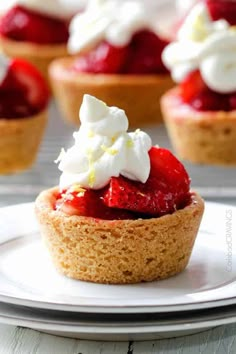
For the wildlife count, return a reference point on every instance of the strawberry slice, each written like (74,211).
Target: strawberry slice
(21,24)
(222,9)
(89,203)
(141,56)
(166,189)
(195,92)
(152,198)
(192,85)
(166,167)
(105,58)
(211,101)
(23,92)
(145,52)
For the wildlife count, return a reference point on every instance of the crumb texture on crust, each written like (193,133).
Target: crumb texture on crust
(39,55)
(19,141)
(121,251)
(138,95)
(200,137)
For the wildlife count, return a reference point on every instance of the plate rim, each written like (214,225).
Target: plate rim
(126,309)
(33,321)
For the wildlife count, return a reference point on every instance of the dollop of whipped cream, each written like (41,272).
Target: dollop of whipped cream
(62,9)
(103,148)
(112,20)
(207,45)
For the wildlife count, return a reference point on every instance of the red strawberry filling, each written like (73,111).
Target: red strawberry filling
(222,9)
(166,190)
(23,92)
(198,95)
(141,56)
(21,24)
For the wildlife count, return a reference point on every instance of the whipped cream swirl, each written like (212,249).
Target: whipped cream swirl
(103,148)
(62,9)
(112,20)
(207,45)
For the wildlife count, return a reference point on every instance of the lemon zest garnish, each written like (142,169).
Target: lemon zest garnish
(90,134)
(113,139)
(110,151)
(76,188)
(91,177)
(80,194)
(129,143)
(91,168)
(200,29)
(139,193)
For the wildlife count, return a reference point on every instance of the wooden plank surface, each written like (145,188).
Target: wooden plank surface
(14,340)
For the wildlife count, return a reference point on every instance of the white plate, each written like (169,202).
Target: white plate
(74,326)
(28,278)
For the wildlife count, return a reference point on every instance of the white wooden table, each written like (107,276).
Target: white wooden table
(14,340)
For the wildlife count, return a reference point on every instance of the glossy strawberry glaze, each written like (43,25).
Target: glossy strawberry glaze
(166,190)
(141,56)
(194,92)
(21,24)
(225,9)
(23,92)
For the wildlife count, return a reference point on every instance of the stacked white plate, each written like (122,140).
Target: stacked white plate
(34,295)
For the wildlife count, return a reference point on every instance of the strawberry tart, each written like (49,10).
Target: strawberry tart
(200,113)
(24,98)
(123,211)
(36,31)
(116,50)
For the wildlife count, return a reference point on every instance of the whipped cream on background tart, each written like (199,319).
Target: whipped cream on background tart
(200,113)
(117,57)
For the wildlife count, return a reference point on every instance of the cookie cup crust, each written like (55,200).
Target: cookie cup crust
(19,141)
(138,95)
(200,137)
(39,55)
(119,251)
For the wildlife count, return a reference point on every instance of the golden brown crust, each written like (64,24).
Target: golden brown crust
(19,141)
(200,137)
(138,95)
(119,251)
(38,54)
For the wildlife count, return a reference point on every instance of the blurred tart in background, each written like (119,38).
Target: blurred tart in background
(117,57)
(36,31)
(200,113)
(24,98)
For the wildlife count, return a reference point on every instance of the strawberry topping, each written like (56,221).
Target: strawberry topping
(21,24)
(105,59)
(197,94)
(23,92)
(141,56)
(165,191)
(222,9)
(89,203)
(145,54)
